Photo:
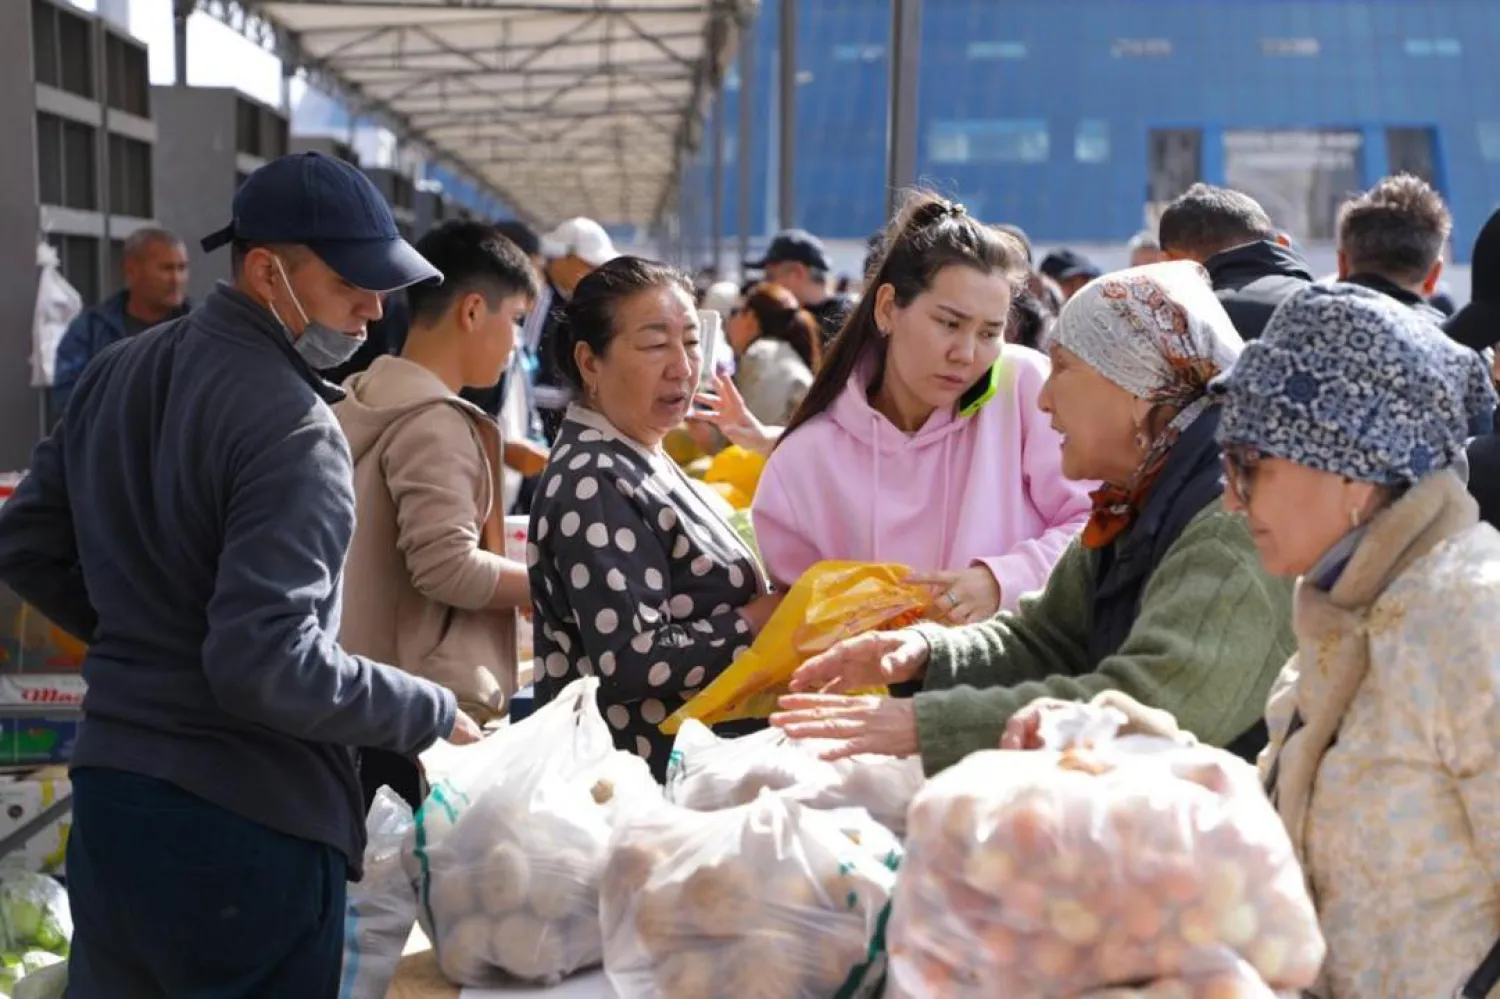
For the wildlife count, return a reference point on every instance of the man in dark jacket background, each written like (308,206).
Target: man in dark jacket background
(156,277)
(1391,239)
(1477,326)
(189,519)
(1252,267)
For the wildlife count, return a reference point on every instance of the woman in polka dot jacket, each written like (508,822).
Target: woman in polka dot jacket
(634,577)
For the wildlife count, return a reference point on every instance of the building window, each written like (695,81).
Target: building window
(1445,48)
(1091,141)
(1294,48)
(1140,48)
(990,140)
(997,50)
(858,53)
(1489,140)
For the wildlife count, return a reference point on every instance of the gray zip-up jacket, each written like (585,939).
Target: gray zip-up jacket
(189,519)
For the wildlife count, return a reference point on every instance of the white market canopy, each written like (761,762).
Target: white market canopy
(564,107)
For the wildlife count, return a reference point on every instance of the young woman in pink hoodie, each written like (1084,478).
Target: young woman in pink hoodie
(920,441)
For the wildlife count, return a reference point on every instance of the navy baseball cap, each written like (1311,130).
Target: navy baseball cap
(1059,265)
(794,246)
(332,208)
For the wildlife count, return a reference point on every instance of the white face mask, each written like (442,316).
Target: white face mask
(322,347)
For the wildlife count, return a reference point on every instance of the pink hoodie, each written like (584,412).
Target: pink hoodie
(959,492)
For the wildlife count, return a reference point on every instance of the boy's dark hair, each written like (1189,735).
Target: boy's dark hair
(1396,229)
(1207,220)
(473,257)
(589,316)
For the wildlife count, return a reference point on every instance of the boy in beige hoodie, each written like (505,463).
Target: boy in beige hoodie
(427,585)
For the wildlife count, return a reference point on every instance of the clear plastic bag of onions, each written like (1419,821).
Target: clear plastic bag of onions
(1115,867)
(770,900)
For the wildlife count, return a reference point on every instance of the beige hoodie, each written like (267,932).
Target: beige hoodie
(419,579)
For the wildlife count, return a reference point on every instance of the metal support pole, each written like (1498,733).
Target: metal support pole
(716,226)
(787,146)
(744,159)
(288,72)
(181,11)
(901,120)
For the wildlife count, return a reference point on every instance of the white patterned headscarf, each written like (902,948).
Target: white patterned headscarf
(1159,333)
(1156,331)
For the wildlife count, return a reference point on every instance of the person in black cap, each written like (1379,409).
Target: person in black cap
(1070,269)
(1477,326)
(189,519)
(797,261)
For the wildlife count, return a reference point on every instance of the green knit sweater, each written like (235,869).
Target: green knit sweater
(1212,633)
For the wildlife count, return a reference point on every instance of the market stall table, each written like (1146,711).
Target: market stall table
(418,978)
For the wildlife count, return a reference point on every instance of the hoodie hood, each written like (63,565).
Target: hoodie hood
(392,389)
(1237,267)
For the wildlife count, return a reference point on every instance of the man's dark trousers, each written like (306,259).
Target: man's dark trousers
(175,897)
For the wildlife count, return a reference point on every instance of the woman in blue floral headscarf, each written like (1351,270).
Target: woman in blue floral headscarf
(1343,430)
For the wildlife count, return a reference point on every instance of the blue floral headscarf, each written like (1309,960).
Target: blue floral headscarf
(1351,382)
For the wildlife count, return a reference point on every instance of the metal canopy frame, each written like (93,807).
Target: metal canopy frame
(557,107)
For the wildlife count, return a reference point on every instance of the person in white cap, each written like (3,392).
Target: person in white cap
(573,251)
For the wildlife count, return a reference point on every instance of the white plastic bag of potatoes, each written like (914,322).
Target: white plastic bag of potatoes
(1065,873)
(770,900)
(708,773)
(512,845)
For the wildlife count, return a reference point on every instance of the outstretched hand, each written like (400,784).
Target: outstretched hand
(725,409)
(876,659)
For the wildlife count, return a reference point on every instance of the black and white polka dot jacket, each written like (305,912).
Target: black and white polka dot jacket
(634,578)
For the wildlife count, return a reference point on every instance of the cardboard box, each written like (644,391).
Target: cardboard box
(21,801)
(39,718)
(516,529)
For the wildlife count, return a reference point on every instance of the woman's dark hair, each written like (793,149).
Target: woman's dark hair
(589,316)
(1029,320)
(929,235)
(781,318)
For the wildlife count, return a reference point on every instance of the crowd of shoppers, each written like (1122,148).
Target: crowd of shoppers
(1243,505)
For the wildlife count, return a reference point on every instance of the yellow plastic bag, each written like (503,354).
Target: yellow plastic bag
(831,602)
(737,468)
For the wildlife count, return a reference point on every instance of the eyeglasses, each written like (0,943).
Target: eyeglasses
(1239,472)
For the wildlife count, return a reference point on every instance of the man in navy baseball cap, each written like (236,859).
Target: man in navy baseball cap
(330,207)
(315,242)
(188,519)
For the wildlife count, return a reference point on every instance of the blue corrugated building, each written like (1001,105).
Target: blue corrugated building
(1069,116)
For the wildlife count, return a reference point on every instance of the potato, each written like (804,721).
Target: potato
(464,954)
(687,974)
(719,901)
(561,887)
(503,880)
(452,897)
(526,946)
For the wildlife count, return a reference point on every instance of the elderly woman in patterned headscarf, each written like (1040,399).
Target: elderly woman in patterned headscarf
(1342,430)
(1161,596)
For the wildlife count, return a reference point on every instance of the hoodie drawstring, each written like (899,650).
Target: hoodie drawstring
(875,514)
(944,512)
